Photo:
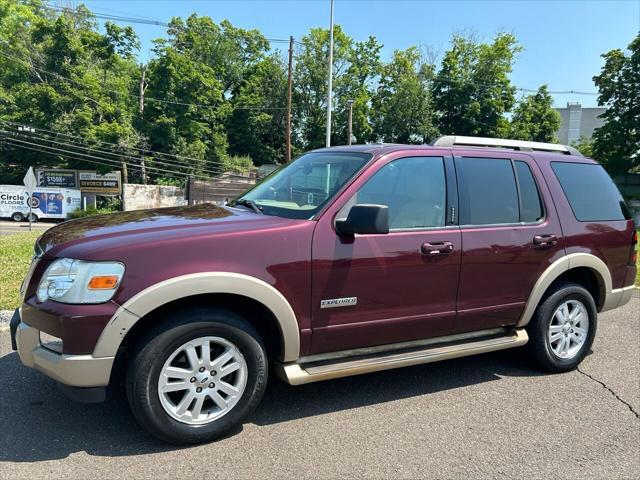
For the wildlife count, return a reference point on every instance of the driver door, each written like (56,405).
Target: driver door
(386,288)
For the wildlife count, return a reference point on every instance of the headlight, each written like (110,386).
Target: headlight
(76,281)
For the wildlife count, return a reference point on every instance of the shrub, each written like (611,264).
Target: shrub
(89,212)
(237,164)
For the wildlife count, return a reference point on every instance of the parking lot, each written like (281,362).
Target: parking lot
(476,417)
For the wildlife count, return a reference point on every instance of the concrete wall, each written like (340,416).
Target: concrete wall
(138,197)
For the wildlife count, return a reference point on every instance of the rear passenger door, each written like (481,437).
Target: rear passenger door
(510,235)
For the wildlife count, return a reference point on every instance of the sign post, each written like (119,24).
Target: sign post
(30,183)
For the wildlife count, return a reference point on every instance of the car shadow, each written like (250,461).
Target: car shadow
(37,422)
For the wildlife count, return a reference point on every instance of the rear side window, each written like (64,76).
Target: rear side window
(530,203)
(493,195)
(591,193)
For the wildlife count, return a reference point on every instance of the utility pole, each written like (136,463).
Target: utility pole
(289,85)
(350,122)
(125,173)
(330,89)
(143,87)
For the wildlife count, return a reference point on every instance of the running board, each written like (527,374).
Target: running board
(296,373)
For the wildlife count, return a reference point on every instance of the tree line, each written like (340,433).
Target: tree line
(212,94)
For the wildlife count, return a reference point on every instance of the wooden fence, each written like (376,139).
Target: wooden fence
(222,189)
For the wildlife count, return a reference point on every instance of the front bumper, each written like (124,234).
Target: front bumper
(70,370)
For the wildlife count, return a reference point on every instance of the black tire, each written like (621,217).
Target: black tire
(34,218)
(154,349)
(538,329)
(17,217)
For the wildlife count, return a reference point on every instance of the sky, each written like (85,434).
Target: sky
(562,39)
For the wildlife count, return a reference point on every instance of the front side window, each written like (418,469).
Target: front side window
(591,193)
(302,188)
(413,188)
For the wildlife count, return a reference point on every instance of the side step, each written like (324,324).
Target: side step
(311,370)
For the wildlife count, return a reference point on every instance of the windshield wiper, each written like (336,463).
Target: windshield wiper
(245,202)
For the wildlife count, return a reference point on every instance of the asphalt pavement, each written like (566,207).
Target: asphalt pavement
(7,227)
(489,416)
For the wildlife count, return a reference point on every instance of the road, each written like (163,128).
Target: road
(478,417)
(8,227)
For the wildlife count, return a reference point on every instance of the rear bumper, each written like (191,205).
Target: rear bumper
(70,370)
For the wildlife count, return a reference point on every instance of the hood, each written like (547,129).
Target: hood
(159,223)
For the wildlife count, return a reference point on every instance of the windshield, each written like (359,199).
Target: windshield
(301,188)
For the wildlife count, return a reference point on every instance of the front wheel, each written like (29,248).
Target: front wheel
(563,328)
(17,217)
(197,378)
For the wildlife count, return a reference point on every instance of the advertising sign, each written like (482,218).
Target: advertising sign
(101,184)
(53,177)
(49,203)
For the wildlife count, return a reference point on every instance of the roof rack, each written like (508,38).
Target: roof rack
(458,140)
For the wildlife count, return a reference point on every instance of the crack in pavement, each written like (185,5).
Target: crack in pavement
(610,390)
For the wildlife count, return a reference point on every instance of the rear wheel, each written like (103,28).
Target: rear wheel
(197,378)
(563,328)
(17,217)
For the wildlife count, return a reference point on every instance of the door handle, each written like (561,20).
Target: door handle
(547,240)
(436,248)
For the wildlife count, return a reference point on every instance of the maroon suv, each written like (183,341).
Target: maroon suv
(347,261)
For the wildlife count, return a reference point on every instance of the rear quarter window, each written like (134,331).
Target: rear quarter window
(591,193)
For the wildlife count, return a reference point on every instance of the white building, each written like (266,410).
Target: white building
(578,121)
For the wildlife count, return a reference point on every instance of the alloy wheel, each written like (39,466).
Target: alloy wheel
(202,380)
(568,329)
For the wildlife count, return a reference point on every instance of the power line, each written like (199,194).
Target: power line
(113,164)
(101,160)
(148,21)
(217,171)
(9,141)
(75,137)
(76,144)
(130,19)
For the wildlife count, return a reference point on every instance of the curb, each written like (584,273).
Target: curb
(5,318)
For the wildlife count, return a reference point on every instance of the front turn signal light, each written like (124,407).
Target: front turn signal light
(103,282)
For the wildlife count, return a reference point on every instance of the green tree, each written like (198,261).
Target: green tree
(585,146)
(58,72)
(187,118)
(310,82)
(357,85)
(229,51)
(402,107)
(200,69)
(472,90)
(617,143)
(535,119)
(256,126)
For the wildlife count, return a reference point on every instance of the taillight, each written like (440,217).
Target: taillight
(634,252)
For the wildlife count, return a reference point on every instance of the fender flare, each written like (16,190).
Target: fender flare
(557,268)
(195,284)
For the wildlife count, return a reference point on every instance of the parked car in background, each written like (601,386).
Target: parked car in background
(348,260)
(46,202)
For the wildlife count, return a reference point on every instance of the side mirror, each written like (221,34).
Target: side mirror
(371,219)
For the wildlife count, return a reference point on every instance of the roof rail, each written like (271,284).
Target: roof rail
(458,140)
